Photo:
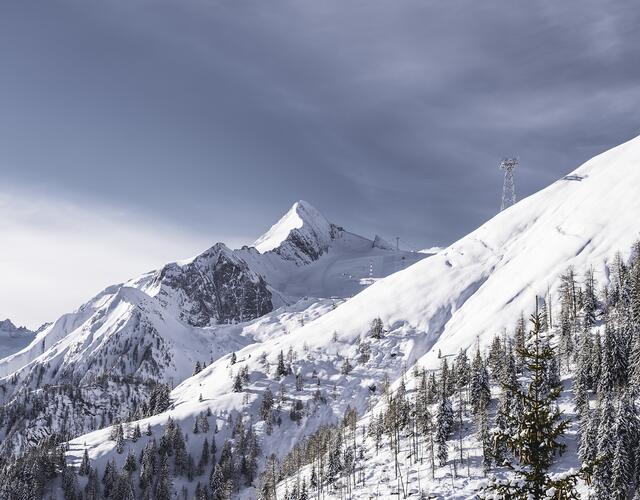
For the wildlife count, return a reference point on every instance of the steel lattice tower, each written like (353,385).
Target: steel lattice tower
(509,187)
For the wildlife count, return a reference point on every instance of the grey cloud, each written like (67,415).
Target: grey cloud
(391,117)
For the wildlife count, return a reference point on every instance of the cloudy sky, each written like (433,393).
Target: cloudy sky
(135,132)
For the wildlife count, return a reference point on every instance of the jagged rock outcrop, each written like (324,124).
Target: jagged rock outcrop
(13,338)
(215,287)
(302,235)
(381,243)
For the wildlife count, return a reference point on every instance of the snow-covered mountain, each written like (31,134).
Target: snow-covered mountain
(13,338)
(460,296)
(154,328)
(302,234)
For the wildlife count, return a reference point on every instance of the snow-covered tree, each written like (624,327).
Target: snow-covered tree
(535,437)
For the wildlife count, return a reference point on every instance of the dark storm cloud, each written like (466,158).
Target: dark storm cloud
(388,116)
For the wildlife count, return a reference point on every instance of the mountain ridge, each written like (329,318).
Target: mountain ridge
(154,328)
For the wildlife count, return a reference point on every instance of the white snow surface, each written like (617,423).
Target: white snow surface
(481,283)
(338,272)
(464,294)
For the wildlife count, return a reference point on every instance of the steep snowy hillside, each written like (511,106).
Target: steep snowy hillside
(154,328)
(13,338)
(461,296)
(482,282)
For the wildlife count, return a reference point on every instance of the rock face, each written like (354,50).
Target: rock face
(215,287)
(8,329)
(13,338)
(380,242)
(302,235)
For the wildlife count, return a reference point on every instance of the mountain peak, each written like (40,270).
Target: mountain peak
(7,328)
(301,216)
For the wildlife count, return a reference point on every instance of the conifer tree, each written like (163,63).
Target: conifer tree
(85,465)
(109,477)
(130,464)
(444,428)
(596,361)
(584,373)
(281,370)
(204,457)
(607,378)
(92,489)
(519,340)
(346,367)
(69,484)
(588,447)
(216,483)
(237,383)
(620,471)
(590,300)
(480,392)
(137,434)
(538,432)
(496,357)
(463,371)
(119,438)
(163,487)
(376,330)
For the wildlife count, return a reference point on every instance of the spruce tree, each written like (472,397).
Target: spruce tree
(163,487)
(444,428)
(204,457)
(237,383)
(216,483)
(496,358)
(519,337)
(119,438)
(607,380)
(480,392)
(281,370)
(588,447)
(621,471)
(376,330)
(583,370)
(85,465)
(538,432)
(463,371)
(130,464)
(590,300)
(92,489)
